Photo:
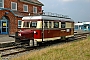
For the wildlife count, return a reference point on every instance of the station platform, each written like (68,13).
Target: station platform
(5,40)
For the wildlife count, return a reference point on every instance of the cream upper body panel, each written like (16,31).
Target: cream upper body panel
(50,21)
(68,25)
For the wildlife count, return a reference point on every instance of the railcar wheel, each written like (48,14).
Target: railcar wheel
(17,40)
(35,43)
(31,43)
(67,39)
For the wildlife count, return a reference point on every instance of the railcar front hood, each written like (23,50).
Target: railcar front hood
(28,31)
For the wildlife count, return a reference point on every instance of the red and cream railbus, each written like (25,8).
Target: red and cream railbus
(43,28)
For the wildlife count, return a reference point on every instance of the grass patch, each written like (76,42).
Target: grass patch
(78,50)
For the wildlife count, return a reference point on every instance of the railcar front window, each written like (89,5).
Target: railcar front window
(33,24)
(26,24)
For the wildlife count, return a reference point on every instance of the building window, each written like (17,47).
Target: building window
(34,9)
(19,23)
(56,24)
(1,3)
(25,8)
(13,5)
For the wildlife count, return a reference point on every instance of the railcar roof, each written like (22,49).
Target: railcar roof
(78,23)
(82,23)
(46,18)
(86,22)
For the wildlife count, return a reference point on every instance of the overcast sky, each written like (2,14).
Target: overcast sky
(78,10)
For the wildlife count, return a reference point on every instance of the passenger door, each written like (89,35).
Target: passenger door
(4,27)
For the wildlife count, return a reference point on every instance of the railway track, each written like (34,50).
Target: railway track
(81,36)
(10,51)
(15,49)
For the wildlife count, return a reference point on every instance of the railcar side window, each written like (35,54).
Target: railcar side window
(46,24)
(76,26)
(33,24)
(62,24)
(56,24)
(26,24)
(85,26)
(80,27)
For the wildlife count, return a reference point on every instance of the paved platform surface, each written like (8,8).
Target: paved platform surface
(6,39)
(80,31)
